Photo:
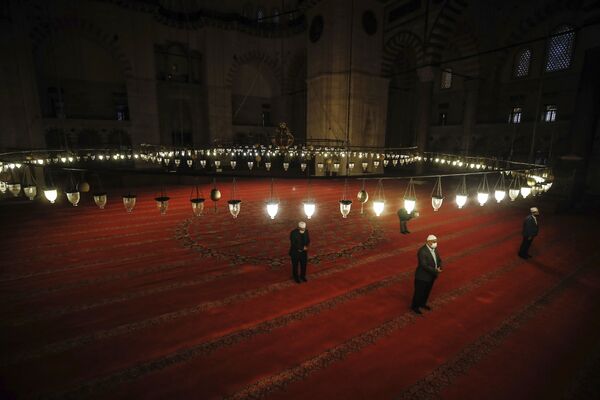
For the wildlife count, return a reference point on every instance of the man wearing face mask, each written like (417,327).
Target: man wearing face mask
(299,242)
(530,230)
(428,268)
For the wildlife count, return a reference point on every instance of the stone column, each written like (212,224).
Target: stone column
(141,85)
(424,95)
(218,48)
(470,113)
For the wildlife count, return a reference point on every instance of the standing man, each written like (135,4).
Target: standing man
(299,242)
(428,269)
(405,216)
(530,230)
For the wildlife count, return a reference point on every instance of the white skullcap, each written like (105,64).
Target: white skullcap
(533,209)
(302,225)
(431,237)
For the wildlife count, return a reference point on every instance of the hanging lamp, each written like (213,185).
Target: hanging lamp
(197,202)
(483,191)
(100,198)
(272,204)
(50,191)
(268,165)
(308,204)
(129,202)
(379,202)
(362,197)
(345,203)
(14,188)
(410,197)
(461,192)
(215,194)
(437,196)
(73,194)
(162,201)
(513,189)
(235,205)
(500,189)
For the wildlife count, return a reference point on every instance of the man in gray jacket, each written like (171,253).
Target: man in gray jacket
(428,268)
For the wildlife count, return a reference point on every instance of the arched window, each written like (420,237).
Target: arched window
(275,18)
(522,63)
(560,49)
(260,14)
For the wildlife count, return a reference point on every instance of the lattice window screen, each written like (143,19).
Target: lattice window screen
(560,49)
(523,61)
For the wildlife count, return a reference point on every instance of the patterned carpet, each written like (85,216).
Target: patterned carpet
(105,304)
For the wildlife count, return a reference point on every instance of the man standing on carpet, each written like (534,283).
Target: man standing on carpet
(404,217)
(299,242)
(530,230)
(428,269)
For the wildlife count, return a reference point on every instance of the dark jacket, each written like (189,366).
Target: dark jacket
(530,227)
(298,241)
(404,215)
(426,267)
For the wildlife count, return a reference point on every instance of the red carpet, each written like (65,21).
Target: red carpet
(105,304)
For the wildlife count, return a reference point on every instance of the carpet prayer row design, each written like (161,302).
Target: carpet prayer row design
(104,304)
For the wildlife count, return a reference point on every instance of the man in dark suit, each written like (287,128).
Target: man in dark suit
(428,269)
(530,230)
(299,242)
(404,217)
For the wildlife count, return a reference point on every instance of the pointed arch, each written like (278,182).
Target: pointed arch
(443,28)
(395,47)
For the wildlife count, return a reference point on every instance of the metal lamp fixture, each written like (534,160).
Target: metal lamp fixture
(437,196)
(362,197)
(513,189)
(410,197)
(100,199)
(215,194)
(129,202)
(162,203)
(30,191)
(345,203)
(309,208)
(235,205)
(379,202)
(272,204)
(14,188)
(197,202)
(461,193)
(51,194)
(500,189)
(483,192)
(73,197)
